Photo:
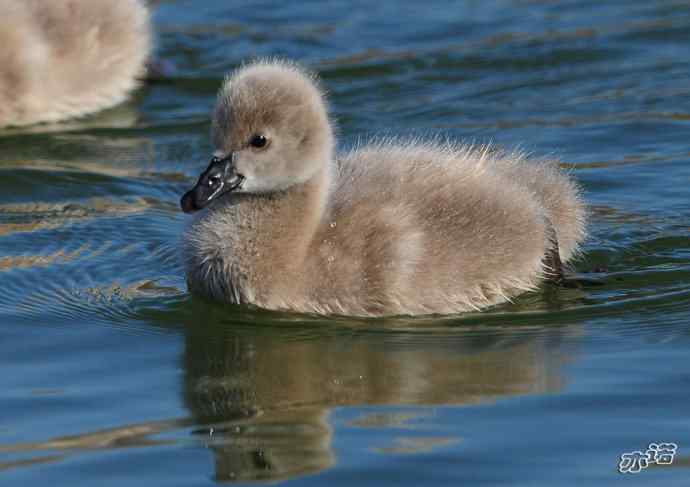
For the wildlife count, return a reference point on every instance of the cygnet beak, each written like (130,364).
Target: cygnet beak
(219,178)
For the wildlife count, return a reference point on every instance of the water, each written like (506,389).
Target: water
(113,375)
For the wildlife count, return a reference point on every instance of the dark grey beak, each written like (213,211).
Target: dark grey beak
(220,177)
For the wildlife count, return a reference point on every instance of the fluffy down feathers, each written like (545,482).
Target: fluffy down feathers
(391,227)
(66,58)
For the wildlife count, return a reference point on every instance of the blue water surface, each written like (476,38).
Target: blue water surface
(112,374)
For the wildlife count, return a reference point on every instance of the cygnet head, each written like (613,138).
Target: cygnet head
(270,130)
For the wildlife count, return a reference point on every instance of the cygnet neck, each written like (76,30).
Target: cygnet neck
(293,216)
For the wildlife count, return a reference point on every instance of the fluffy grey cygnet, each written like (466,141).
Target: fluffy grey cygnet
(61,59)
(390,228)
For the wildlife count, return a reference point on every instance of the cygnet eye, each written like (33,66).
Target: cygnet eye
(213,180)
(258,141)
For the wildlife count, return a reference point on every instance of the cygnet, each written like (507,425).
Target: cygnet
(392,227)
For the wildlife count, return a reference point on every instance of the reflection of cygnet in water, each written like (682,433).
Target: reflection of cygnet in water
(388,228)
(66,58)
(263,401)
